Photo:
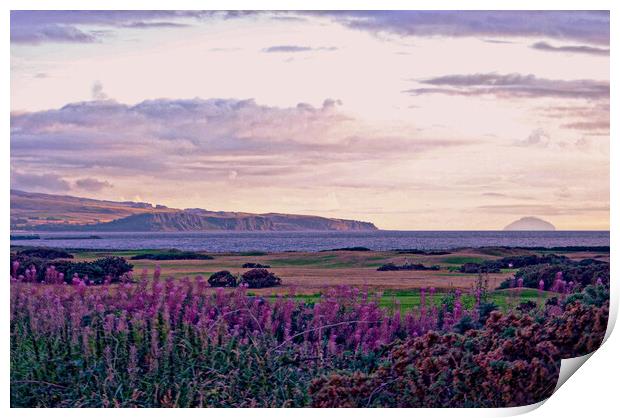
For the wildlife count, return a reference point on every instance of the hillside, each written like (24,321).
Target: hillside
(45,212)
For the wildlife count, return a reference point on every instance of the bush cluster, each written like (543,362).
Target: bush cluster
(98,271)
(581,273)
(495,266)
(259,278)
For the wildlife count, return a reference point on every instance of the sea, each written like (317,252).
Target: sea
(224,242)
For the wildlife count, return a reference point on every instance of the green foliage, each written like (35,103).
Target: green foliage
(582,273)
(591,295)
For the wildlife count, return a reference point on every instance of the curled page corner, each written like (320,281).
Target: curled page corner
(568,367)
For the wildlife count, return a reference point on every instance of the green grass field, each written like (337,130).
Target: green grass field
(410,299)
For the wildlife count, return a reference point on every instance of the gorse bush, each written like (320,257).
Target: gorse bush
(513,360)
(179,343)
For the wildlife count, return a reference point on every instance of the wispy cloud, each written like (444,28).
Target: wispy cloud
(592,118)
(512,85)
(583,26)
(296,48)
(573,49)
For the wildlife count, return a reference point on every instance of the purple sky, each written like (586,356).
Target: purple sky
(411,120)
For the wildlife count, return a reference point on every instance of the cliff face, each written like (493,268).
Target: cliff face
(183,221)
(31,211)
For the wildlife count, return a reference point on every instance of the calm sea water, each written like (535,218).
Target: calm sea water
(315,241)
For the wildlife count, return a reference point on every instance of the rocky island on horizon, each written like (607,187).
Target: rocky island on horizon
(530,223)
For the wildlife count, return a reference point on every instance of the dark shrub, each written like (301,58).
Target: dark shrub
(255,266)
(394,267)
(258,278)
(486,267)
(347,249)
(46,253)
(485,309)
(420,252)
(465,324)
(222,279)
(172,255)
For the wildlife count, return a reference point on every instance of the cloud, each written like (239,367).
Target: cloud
(92,184)
(575,49)
(47,182)
(76,26)
(591,119)
(97,91)
(583,26)
(512,85)
(202,140)
(51,33)
(296,48)
(538,137)
(80,26)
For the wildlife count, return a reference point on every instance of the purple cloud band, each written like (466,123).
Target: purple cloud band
(590,27)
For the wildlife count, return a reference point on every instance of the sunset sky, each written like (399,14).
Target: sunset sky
(411,120)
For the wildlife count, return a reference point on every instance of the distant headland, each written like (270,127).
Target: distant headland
(48,212)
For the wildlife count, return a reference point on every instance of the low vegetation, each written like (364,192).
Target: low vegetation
(347,249)
(255,266)
(406,266)
(173,343)
(574,274)
(43,252)
(172,255)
